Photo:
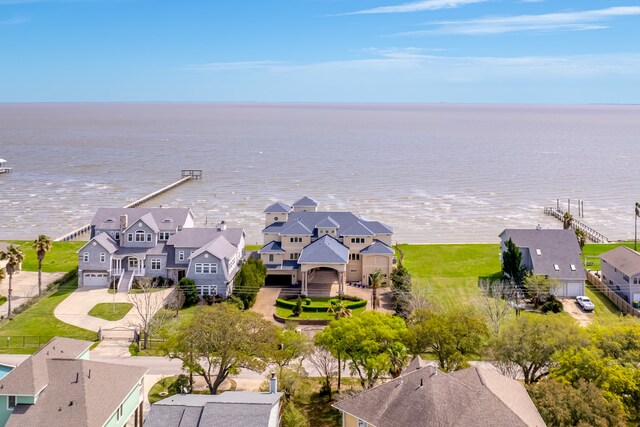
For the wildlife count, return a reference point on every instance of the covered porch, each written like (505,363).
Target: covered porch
(323,279)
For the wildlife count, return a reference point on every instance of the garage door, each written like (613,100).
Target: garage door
(278,280)
(575,289)
(95,279)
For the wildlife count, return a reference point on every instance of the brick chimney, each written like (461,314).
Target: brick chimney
(124,222)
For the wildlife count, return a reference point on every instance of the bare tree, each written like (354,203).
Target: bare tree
(145,305)
(419,299)
(497,297)
(326,365)
(175,300)
(508,369)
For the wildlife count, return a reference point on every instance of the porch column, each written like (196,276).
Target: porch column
(305,278)
(341,284)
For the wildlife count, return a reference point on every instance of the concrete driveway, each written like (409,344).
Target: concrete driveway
(25,287)
(574,310)
(266,302)
(75,308)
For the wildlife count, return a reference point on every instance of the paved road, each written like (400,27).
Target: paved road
(24,286)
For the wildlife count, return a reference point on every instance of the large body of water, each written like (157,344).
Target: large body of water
(436,173)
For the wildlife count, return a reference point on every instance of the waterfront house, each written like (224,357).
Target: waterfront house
(229,409)
(620,268)
(552,253)
(159,242)
(424,396)
(59,386)
(300,242)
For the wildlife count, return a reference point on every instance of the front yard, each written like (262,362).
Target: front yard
(111,311)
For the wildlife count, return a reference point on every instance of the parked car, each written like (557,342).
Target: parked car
(585,303)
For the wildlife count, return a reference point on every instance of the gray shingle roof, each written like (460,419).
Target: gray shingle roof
(427,396)
(325,250)
(272,247)
(178,217)
(79,393)
(295,228)
(198,237)
(556,247)
(31,376)
(104,240)
(356,229)
(305,202)
(149,220)
(347,222)
(378,248)
(327,222)
(624,259)
(278,207)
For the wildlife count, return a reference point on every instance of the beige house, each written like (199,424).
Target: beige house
(300,242)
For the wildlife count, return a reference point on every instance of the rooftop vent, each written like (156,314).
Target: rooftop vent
(110,220)
(167,220)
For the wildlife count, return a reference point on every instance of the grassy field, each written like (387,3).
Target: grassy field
(110,311)
(591,251)
(39,324)
(62,257)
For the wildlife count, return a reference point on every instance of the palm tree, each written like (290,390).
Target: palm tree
(567,219)
(14,258)
(398,356)
(339,309)
(582,237)
(3,274)
(376,281)
(42,245)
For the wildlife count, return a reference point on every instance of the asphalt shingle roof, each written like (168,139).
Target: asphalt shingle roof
(378,248)
(557,247)
(327,222)
(278,207)
(109,218)
(325,250)
(105,241)
(305,202)
(198,237)
(624,259)
(347,223)
(272,247)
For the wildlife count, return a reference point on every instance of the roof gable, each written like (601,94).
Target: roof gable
(104,240)
(327,222)
(272,247)
(305,202)
(378,248)
(166,219)
(325,250)
(624,259)
(278,207)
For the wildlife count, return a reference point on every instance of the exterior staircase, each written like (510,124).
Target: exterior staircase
(124,285)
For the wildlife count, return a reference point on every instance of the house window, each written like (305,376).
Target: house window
(180,255)
(103,257)
(155,264)
(164,236)
(85,257)
(357,240)
(116,235)
(635,280)
(206,290)
(625,278)
(206,268)
(130,237)
(11,402)
(270,257)
(556,267)
(148,237)
(139,236)
(133,262)
(354,257)
(294,255)
(119,412)
(362,423)
(295,239)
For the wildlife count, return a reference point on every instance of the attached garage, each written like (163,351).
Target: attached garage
(575,288)
(95,279)
(278,280)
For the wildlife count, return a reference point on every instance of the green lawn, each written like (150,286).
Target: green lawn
(605,309)
(62,257)
(110,311)
(591,251)
(164,319)
(3,299)
(38,324)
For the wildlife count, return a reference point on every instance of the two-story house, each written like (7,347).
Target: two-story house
(159,242)
(299,240)
(620,268)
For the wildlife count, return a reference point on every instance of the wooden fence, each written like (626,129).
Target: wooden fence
(624,306)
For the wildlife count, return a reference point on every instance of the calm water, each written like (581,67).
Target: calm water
(436,173)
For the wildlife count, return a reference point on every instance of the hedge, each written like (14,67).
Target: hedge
(317,308)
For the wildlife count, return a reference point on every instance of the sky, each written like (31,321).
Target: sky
(458,51)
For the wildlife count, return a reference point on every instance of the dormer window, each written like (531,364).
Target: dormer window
(110,220)
(556,267)
(538,252)
(167,220)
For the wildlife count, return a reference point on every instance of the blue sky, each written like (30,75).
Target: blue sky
(477,51)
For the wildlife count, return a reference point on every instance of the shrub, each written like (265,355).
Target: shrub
(552,305)
(191,296)
(307,301)
(178,384)
(234,300)
(297,310)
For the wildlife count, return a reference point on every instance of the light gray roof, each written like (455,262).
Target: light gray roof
(327,222)
(31,376)
(624,259)
(415,364)
(557,247)
(287,264)
(79,393)
(109,218)
(347,222)
(104,240)
(378,248)
(147,219)
(219,247)
(305,202)
(325,250)
(428,396)
(272,247)
(229,409)
(198,237)
(295,228)
(278,207)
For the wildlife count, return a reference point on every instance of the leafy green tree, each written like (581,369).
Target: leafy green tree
(398,358)
(293,417)
(234,300)
(531,341)
(190,291)
(561,405)
(3,274)
(376,281)
(297,309)
(42,245)
(512,263)
(453,335)
(291,345)
(552,304)
(14,258)
(401,292)
(249,280)
(539,286)
(219,340)
(365,341)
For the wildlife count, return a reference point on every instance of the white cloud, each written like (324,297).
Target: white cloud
(417,6)
(562,21)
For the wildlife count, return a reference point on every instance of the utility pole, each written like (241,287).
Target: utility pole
(635,242)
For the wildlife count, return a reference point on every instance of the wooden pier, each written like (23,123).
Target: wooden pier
(591,234)
(187,175)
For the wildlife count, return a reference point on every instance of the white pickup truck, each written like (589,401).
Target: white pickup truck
(585,303)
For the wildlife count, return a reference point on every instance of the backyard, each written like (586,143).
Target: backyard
(62,257)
